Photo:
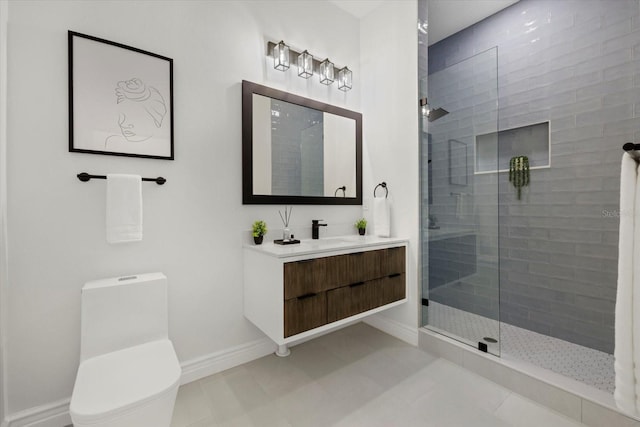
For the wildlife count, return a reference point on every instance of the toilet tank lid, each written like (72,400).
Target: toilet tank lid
(123,280)
(115,382)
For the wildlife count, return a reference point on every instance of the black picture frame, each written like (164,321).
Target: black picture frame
(120,99)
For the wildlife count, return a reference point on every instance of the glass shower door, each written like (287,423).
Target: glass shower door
(459,202)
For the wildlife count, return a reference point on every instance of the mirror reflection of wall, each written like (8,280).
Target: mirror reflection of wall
(340,155)
(296,149)
(300,151)
(308,178)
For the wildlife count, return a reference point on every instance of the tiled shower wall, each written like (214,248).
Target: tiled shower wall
(296,166)
(574,63)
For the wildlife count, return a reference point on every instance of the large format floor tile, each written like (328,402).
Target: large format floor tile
(357,376)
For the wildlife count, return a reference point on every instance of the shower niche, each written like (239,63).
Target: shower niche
(531,141)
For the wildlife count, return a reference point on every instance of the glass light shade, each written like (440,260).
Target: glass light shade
(281,56)
(327,72)
(305,65)
(345,79)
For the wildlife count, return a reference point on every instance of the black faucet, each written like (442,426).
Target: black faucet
(315,228)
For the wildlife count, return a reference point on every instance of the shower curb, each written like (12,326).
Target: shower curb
(575,400)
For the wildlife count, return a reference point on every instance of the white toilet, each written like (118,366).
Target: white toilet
(129,373)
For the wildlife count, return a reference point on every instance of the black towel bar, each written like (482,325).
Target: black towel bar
(633,150)
(630,146)
(84,177)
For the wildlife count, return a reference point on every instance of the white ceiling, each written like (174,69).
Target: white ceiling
(358,8)
(446,17)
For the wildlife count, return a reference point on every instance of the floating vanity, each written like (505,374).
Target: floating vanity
(297,291)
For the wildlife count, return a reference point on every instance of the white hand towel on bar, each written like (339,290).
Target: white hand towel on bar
(124,208)
(381,216)
(627,326)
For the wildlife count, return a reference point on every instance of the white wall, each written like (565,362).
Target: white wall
(194,225)
(388,58)
(4,16)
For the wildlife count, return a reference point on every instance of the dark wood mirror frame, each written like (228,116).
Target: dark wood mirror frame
(248,198)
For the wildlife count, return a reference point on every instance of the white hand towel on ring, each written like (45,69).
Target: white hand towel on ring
(381,216)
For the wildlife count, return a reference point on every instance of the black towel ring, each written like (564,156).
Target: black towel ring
(383,185)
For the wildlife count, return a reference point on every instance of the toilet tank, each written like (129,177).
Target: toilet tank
(122,312)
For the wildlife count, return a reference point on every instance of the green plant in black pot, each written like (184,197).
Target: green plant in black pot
(361,225)
(259,230)
(519,173)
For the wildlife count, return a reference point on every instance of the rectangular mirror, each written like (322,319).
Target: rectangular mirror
(457,162)
(298,151)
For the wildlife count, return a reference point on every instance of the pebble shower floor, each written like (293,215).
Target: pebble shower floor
(580,363)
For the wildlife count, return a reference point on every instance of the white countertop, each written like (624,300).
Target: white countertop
(325,244)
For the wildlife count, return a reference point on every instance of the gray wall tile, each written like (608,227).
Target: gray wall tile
(579,69)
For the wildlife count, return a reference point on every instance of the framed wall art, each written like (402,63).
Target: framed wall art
(120,99)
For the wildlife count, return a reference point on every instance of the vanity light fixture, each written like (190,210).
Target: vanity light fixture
(281,56)
(308,65)
(305,65)
(345,79)
(327,73)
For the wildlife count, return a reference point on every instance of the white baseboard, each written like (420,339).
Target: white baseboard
(201,367)
(392,327)
(57,414)
(50,415)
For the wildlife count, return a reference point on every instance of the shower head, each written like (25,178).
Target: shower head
(436,114)
(429,113)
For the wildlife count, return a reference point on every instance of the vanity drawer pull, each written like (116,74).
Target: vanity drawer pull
(353,285)
(391,276)
(309,295)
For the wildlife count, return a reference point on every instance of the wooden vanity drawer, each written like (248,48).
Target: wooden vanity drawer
(360,297)
(348,300)
(364,266)
(305,312)
(353,268)
(305,277)
(369,265)
(394,261)
(391,288)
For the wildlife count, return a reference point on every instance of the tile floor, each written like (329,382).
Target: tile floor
(357,376)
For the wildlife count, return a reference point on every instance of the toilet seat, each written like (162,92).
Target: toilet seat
(110,385)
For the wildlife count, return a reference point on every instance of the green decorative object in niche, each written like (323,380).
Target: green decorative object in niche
(519,173)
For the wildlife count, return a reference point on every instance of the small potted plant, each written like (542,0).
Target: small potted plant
(361,225)
(259,230)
